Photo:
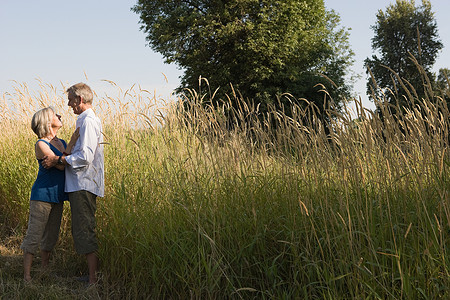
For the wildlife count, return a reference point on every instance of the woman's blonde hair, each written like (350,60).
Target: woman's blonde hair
(42,121)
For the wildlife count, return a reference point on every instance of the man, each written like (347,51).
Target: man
(84,171)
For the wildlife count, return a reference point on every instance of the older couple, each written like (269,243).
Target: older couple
(73,172)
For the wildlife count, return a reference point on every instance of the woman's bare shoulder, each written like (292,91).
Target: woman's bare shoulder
(42,149)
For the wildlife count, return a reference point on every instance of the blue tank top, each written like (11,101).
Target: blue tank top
(49,184)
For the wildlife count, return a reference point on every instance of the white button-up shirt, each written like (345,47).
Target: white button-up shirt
(85,166)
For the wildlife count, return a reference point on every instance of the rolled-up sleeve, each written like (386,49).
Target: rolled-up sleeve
(84,150)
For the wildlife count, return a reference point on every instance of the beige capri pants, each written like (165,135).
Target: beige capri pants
(43,226)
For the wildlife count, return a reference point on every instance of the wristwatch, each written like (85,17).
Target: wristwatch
(60,162)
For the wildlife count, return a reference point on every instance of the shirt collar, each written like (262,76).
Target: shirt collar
(85,113)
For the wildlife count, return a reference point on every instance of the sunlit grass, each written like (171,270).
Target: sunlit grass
(273,209)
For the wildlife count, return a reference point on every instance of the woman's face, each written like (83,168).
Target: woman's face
(56,121)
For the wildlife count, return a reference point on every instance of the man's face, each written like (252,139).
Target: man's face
(75,103)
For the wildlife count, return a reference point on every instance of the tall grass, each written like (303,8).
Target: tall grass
(279,207)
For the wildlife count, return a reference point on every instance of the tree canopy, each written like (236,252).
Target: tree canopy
(405,37)
(263,48)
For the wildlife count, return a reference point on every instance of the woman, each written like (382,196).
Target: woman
(47,193)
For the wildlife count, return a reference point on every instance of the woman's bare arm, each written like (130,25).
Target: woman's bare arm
(43,150)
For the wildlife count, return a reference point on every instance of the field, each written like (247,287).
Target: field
(279,208)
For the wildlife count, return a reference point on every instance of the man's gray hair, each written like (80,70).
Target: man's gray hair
(82,90)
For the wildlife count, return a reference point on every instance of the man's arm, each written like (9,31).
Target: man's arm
(50,160)
(73,140)
(87,144)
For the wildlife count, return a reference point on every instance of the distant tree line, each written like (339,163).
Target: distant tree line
(264,49)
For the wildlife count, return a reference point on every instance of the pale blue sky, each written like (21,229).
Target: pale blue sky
(61,41)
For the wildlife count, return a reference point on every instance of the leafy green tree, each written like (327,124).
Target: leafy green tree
(442,86)
(263,48)
(443,82)
(406,37)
